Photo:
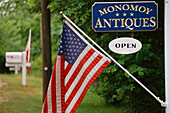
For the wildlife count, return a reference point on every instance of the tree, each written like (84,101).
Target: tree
(46,44)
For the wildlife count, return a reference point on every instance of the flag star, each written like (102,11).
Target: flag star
(72,42)
(71,38)
(73,35)
(124,14)
(74,38)
(117,14)
(69,42)
(68,30)
(70,49)
(74,50)
(69,34)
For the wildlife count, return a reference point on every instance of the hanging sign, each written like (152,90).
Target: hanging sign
(125,45)
(125,16)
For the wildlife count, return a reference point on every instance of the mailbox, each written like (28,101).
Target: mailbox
(13,57)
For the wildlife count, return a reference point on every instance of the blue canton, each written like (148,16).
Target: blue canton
(71,45)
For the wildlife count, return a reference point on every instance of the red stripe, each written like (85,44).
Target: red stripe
(68,69)
(53,88)
(80,65)
(62,84)
(86,72)
(88,85)
(45,108)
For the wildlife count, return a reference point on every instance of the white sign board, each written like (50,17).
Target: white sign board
(125,45)
(13,57)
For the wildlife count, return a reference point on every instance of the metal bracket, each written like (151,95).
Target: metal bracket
(164,104)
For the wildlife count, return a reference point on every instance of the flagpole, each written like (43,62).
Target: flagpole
(163,104)
(167,54)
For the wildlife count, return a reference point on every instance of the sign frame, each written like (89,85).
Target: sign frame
(125,30)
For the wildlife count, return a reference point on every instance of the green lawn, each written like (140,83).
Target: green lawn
(29,99)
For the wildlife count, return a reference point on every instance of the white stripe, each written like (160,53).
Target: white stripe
(85,66)
(89,76)
(49,98)
(58,84)
(81,56)
(66,64)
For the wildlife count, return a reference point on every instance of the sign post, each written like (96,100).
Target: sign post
(167,54)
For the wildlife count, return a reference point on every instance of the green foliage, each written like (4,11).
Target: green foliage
(14,30)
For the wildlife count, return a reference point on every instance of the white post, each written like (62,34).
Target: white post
(24,68)
(167,54)
(16,70)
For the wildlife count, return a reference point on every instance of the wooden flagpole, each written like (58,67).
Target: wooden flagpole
(163,104)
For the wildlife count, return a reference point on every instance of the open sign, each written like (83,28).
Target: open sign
(125,45)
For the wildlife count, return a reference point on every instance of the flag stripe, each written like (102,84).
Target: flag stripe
(45,108)
(89,84)
(67,68)
(53,87)
(88,62)
(66,64)
(58,84)
(68,76)
(89,76)
(49,99)
(86,72)
(62,84)
(77,70)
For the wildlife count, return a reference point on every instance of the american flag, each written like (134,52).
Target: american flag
(28,52)
(76,67)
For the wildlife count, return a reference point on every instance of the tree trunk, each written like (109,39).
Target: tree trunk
(46,44)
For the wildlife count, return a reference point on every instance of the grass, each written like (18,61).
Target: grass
(29,99)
